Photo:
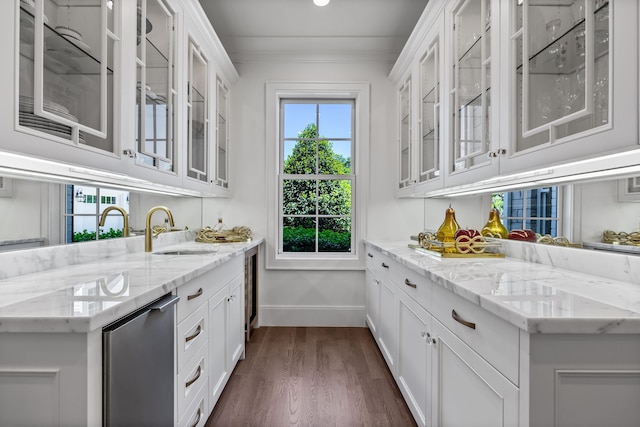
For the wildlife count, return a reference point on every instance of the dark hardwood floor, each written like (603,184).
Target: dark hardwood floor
(311,377)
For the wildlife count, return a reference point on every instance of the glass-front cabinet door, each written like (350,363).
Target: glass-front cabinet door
(198,116)
(471,65)
(429,159)
(156,91)
(222,135)
(406,179)
(573,96)
(67,70)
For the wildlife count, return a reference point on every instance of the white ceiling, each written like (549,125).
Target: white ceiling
(355,29)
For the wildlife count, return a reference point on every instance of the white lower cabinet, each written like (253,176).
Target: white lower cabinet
(467,390)
(372,292)
(414,357)
(458,365)
(218,343)
(388,333)
(210,339)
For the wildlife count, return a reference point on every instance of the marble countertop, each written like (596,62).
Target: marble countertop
(86,296)
(534,297)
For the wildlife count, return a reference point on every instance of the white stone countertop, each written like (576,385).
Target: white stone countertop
(534,297)
(86,296)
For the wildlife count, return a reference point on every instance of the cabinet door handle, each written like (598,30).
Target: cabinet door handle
(369,254)
(460,320)
(190,382)
(408,283)
(384,265)
(195,334)
(196,295)
(198,418)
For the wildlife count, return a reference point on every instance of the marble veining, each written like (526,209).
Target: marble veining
(539,292)
(83,287)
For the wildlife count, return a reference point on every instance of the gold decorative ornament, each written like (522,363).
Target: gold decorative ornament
(447,231)
(235,235)
(494,227)
(621,238)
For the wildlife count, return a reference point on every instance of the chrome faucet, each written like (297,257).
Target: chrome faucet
(147,230)
(125,225)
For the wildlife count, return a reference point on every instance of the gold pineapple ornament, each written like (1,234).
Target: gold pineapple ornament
(447,231)
(494,227)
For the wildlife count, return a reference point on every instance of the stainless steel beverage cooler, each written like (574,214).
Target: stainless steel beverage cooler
(138,367)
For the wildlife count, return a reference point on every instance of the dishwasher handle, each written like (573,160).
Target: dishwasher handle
(164,303)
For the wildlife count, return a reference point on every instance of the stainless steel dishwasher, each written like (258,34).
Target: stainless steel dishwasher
(138,367)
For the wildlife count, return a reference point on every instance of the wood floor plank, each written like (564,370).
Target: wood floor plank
(298,376)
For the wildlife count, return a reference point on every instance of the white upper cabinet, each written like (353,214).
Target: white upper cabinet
(421,115)
(156,85)
(406,155)
(122,92)
(222,135)
(472,60)
(430,120)
(198,97)
(529,85)
(61,91)
(571,97)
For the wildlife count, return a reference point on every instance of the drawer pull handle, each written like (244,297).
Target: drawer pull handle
(196,295)
(369,254)
(408,283)
(385,265)
(198,418)
(460,320)
(190,382)
(195,335)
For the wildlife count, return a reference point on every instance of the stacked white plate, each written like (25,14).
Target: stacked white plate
(29,119)
(66,42)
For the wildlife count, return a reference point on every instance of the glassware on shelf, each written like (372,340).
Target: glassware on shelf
(580,39)
(577,10)
(553,28)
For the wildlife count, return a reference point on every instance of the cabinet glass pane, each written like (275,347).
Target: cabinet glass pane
(405,135)
(471,97)
(65,95)
(430,126)
(155,84)
(198,116)
(222,139)
(563,89)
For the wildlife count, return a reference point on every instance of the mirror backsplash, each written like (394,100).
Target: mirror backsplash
(33,212)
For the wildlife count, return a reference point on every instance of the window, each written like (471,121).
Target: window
(316,183)
(316,135)
(537,209)
(82,210)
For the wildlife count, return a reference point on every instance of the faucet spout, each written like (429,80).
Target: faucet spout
(147,230)
(125,216)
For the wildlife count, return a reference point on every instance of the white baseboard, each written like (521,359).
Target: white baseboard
(281,315)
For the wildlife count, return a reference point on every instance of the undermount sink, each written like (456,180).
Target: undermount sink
(186,252)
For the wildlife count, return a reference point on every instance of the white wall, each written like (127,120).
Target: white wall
(598,209)
(312,297)
(21,211)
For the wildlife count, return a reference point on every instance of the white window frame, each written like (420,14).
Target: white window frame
(275,92)
(560,208)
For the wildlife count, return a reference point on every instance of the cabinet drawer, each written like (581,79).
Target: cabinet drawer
(192,333)
(191,379)
(197,291)
(197,413)
(494,339)
(378,262)
(413,284)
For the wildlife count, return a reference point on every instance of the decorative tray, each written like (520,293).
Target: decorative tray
(462,247)
(235,235)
